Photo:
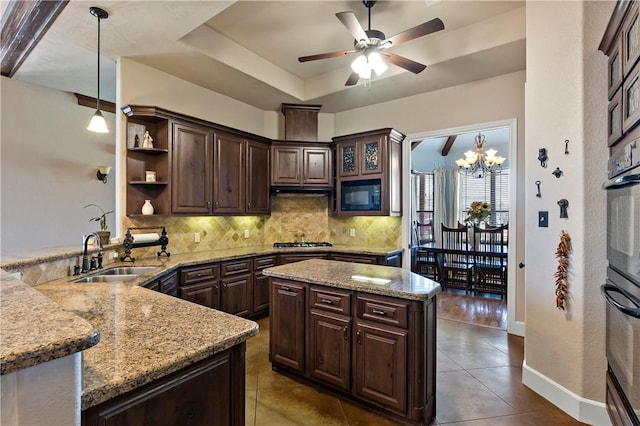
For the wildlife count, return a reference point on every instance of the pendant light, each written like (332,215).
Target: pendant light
(97,123)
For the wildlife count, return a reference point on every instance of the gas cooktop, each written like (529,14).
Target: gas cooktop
(306,244)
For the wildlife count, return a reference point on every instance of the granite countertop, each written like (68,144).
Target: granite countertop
(376,279)
(23,309)
(145,335)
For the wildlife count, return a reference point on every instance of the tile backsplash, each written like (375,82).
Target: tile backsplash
(291,216)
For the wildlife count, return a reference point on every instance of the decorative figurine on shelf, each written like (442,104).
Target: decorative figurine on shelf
(136,141)
(147,141)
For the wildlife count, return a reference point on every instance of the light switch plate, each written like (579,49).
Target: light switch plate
(543,219)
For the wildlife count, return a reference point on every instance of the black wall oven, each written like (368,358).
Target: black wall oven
(622,289)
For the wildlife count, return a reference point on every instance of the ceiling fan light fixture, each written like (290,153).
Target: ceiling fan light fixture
(377,63)
(362,67)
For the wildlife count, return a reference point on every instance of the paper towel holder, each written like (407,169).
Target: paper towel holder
(103,172)
(129,243)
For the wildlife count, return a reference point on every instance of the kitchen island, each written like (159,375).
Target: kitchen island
(365,332)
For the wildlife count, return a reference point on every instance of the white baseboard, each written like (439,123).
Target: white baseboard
(516,328)
(582,409)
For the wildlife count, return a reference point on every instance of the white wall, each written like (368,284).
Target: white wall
(49,163)
(566,98)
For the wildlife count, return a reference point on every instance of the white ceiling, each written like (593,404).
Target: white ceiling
(248,50)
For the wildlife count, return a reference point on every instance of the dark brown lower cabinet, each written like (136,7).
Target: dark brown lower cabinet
(236,295)
(205,294)
(210,392)
(330,348)
(286,345)
(261,284)
(376,350)
(381,365)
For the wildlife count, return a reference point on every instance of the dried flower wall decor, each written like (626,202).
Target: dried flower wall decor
(562,273)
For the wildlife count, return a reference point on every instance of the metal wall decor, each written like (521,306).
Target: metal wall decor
(566,147)
(539,194)
(563,208)
(557,172)
(543,157)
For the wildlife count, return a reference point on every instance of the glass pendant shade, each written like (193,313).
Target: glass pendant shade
(98,123)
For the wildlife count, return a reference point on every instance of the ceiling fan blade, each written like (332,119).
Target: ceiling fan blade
(421,30)
(402,62)
(350,21)
(353,79)
(326,55)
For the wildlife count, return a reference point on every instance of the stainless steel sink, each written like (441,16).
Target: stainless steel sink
(117,274)
(105,278)
(127,270)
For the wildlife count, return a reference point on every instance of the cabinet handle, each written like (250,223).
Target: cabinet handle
(199,274)
(209,204)
(327,301)
(229,188)
(285,288)
(358,337)
(377,312)
(346,332)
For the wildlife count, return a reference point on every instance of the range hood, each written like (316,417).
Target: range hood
(317,190)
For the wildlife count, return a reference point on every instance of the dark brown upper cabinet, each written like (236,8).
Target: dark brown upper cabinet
(191,169)
(374,157)
(300,164)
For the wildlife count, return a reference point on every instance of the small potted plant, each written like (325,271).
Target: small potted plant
(103,233)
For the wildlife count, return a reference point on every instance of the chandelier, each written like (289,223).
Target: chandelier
(479,163)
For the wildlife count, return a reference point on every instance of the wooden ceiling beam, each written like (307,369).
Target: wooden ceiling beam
(24,23)
(447,145)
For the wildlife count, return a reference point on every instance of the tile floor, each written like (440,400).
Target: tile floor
(478,383)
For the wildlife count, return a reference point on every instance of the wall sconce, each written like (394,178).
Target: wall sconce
(103,172)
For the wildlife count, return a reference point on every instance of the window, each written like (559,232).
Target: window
(424,207)
(493,188)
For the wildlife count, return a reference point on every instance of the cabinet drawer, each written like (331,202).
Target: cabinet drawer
(197,274)
(330,300)
(388,311)
(263,262)
(234,268)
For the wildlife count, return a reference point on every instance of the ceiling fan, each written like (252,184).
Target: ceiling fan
(373,44)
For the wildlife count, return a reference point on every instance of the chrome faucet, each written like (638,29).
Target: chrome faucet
(86,267)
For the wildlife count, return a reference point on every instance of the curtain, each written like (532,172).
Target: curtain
(453,195)
(439,202)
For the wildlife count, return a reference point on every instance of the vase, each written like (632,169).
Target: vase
(147,208)
(104,237)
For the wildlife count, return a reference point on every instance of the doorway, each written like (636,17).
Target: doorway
(500,135)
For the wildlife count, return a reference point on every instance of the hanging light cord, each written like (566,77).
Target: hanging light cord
(98,102)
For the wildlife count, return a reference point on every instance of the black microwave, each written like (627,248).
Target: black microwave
(361,195)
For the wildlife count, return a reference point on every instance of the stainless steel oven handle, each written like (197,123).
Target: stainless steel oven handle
(622,181)
(608,288)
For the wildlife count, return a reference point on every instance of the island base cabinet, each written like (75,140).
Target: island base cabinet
(211,392)
(378,351)
(330,349)
(287,324)
(380,366)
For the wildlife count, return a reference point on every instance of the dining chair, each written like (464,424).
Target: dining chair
(456,262)
(490,265)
